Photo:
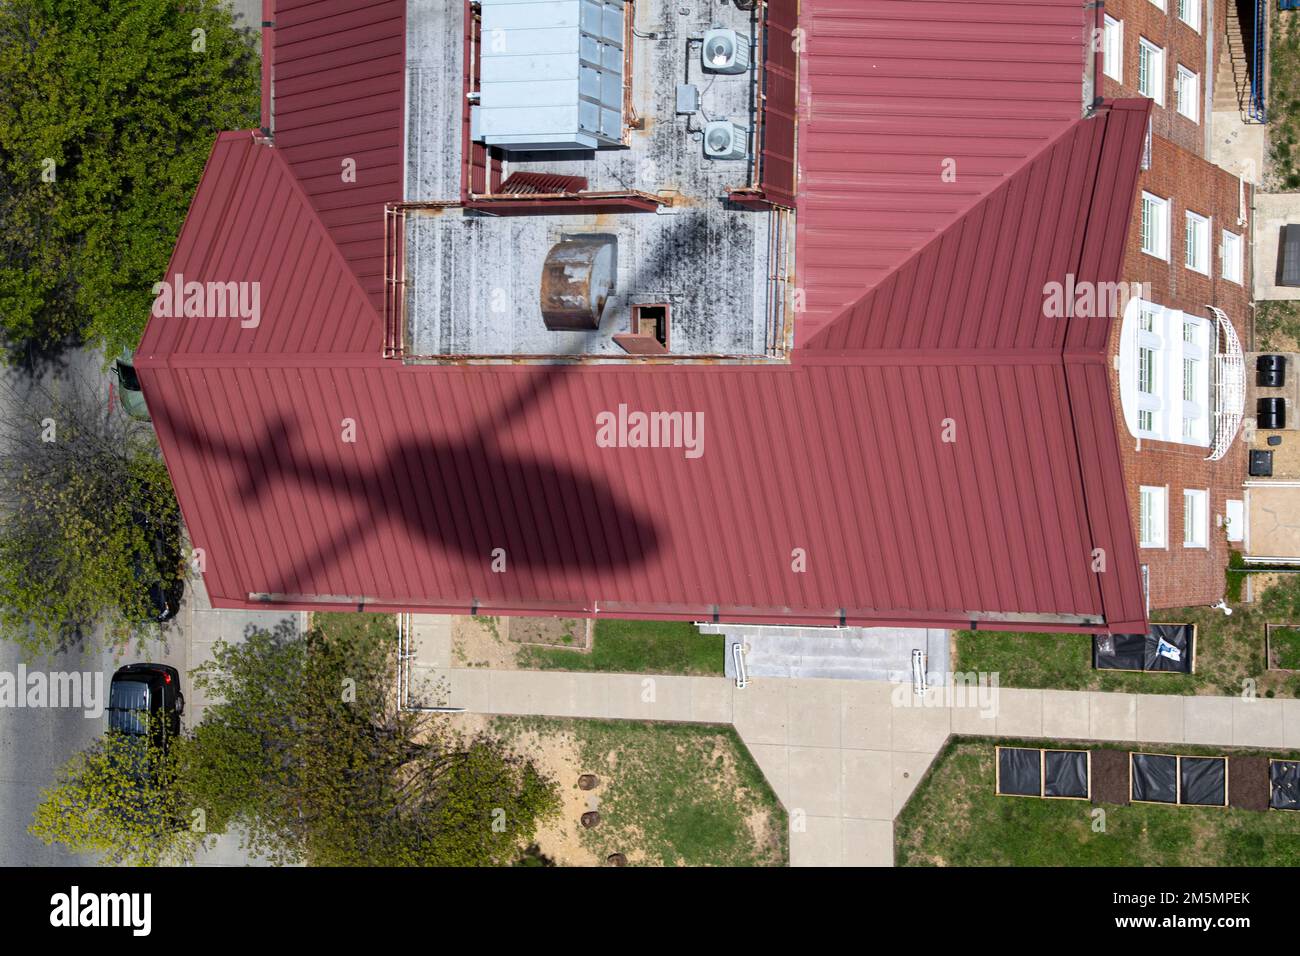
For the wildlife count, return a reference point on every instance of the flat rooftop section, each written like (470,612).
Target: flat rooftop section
(435,77)
(473,280)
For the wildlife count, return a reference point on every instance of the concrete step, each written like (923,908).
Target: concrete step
(850,654)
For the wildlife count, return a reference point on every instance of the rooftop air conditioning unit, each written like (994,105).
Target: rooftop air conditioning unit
(725,51)
(724,139)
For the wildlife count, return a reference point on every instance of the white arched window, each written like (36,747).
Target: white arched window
(1165,359)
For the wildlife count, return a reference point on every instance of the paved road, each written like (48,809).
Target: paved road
(35,742)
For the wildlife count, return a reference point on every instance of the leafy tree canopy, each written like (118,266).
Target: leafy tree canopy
(90,521)
(306,753)
(116,101)
(118,799)
(310,754)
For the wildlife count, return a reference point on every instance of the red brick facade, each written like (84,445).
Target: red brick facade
(1182,45)
(1180,575)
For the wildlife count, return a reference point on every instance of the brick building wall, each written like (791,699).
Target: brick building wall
(1182,45)
(1179,575)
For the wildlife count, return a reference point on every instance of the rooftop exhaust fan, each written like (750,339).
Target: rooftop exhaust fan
(578,278)
(724,51)
(724,139)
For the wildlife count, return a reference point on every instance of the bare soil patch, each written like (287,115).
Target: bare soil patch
(497,641)
(570,632)
(1110,776)
(1248,786)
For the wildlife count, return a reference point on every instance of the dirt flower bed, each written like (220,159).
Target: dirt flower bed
(667,794)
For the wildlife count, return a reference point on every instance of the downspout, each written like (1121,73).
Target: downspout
(268,71)
(1210,79)
(1093,51)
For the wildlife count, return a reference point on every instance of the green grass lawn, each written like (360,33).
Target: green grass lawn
(1284,102)
(673,794)
(1286,647)
(1277,324)
(1229,650)
(955,819)
(635,647)
(381,626)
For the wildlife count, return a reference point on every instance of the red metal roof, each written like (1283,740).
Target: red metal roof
(340,87)
(979,283)
(844,461)
(251,221)
(841,454)
(894,90)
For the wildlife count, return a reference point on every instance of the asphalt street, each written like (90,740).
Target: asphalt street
(34,743)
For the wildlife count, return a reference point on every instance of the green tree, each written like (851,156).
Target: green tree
(309,753)
(118,799)
(91,523)
(107,114)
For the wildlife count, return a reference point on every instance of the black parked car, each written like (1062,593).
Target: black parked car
(164,585)
(146,699)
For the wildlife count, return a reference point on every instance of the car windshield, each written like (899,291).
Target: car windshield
(128,706)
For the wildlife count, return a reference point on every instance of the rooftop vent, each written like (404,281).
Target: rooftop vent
(577,280)
(724,51)
(724,139)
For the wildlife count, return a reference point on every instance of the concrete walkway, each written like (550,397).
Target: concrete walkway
(844,756)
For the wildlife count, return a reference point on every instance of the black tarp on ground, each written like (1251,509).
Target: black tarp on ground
(1065,773)
(1155,778)
(1147,652)
(1284,784)
(1205,781)
(1123,652)
(1019,772)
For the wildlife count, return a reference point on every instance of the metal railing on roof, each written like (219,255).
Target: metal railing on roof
(1229,389)
(1256,108)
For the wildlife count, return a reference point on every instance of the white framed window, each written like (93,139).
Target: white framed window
(1159,4)
(1190,378)
(1196,518)
(1187,88)
(1230,253)
(1155,226)
(1153,516)
(1189,11)
(1196,249)
(1165,358)
(1151,70)
(1112,48)
(1146,370)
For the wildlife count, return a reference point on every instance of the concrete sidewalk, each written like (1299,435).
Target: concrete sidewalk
(844,755)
